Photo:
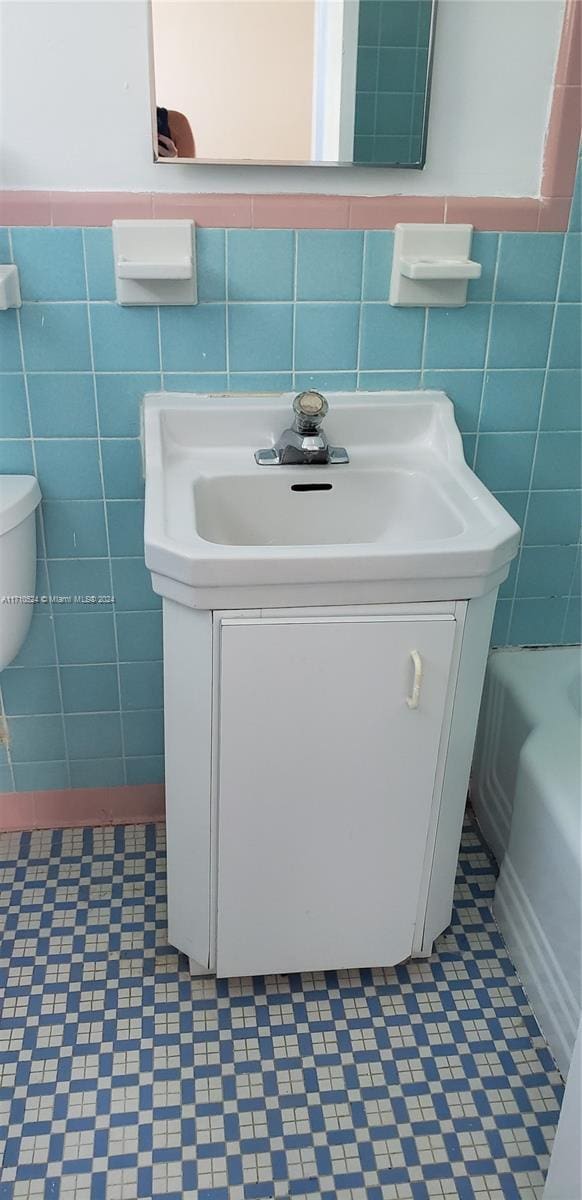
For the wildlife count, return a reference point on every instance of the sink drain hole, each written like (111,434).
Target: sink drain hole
(311,487)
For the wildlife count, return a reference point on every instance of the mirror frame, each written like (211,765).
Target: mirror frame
(269,162)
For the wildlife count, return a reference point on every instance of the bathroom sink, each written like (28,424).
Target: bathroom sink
(405,519)
(293,508)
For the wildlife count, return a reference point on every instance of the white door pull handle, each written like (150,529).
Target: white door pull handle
(413,700)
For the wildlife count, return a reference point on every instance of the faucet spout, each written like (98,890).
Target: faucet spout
(304,443)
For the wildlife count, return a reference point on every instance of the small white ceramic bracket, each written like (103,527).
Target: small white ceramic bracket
(9,287)
(155,262)
(431,265)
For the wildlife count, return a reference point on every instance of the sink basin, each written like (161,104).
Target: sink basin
(307,509)
(405,520)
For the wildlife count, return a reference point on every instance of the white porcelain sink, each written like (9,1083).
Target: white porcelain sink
(405,520)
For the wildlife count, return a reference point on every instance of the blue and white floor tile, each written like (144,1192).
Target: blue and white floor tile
(122,1078)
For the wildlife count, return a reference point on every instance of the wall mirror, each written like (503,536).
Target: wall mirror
(292,82)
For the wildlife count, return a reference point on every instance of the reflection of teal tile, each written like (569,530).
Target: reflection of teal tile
(399,23)
(396,69)
(367,69)
(537,622)
(391,338)
(520,335)
(369,22)
(504,460)
(326,337)
(562,401)
(377,264)
(457,337)
(571,281)
(511,400)
(464,389)
(529,264)
(365,112)
(572,632)
(393,112)
(390,150)
(50,263)
(363,149)
(567,340)
(329,264)
(260,264)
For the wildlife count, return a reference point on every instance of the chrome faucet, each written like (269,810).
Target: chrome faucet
(305,442)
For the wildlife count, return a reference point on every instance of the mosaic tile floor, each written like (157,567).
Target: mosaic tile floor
(123,1078)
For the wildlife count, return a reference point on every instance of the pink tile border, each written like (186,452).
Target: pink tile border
(547,212)
(81,806)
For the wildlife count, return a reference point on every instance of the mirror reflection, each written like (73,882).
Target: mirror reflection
(292,81)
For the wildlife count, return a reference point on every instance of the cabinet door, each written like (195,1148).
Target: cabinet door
(325,784)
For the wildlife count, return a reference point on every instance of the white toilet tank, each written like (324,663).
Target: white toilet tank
(19,497)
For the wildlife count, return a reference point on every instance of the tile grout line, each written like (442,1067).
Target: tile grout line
(361,310)
(106,514)
(41,526)
(226,313)
(487,348)
(536,442)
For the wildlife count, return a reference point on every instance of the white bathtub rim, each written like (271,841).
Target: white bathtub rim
(556,1009)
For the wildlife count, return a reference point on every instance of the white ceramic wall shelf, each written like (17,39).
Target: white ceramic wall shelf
(431,265)
(155,262)
(9,287)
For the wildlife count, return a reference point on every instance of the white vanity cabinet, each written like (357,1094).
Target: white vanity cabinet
(309,753)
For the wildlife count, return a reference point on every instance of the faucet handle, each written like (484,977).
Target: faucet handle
(311,407)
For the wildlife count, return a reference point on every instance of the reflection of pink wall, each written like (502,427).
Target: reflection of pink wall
(241,71)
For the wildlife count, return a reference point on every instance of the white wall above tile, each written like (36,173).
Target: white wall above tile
(86,122)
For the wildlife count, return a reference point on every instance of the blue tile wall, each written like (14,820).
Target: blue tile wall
(278,310)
